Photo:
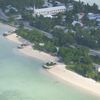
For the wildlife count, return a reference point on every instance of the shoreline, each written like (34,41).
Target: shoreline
(59,70)
(30,51)
(8,26)
(86,84)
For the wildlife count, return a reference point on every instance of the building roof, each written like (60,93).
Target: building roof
(77,22)
(93,16)
(50,8)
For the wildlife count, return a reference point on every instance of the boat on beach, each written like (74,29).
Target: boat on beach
(49,65)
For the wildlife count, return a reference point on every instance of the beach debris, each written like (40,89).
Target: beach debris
(49,65)
(8,33)
(21,46)
(5,34)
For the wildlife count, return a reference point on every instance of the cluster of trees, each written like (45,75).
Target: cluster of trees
(42,23)
(33,35)
(79,6)
(20,4)
(95,59)
(86,37)
(78,60)
(63,39)
(37,37)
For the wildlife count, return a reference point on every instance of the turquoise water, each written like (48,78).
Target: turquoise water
(22,78)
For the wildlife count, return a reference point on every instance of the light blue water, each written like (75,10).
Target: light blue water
(22,78)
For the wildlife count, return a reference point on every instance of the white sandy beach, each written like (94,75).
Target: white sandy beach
(13,37)
(75,79)
(29,51)
(59,69)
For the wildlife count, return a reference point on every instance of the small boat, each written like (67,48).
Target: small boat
(20,47)
(5,34)
(49,65)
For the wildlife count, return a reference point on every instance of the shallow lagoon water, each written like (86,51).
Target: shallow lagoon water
(22,78)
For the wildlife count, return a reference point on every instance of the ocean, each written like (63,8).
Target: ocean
(22,78)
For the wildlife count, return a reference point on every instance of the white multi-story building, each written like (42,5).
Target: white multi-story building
(46,12)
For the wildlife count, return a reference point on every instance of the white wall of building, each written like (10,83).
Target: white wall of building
(49,11)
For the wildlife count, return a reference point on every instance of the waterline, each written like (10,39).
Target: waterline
(21,78)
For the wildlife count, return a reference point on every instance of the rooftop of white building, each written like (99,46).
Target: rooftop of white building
(50,8)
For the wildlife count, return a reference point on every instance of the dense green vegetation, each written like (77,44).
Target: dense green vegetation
(37,38)
(20,4)
(78,60)
(32,36)
(96,59)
